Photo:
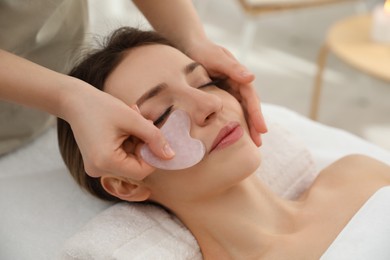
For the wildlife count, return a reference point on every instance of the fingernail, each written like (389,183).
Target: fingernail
(245,73)
(168,151)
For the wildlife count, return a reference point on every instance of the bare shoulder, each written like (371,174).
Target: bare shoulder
(339,191)
(357,168)
(360,161)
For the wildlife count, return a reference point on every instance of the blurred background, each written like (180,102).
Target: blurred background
(283,56)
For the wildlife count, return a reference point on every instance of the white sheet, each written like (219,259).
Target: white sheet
(42,206)
(367,235)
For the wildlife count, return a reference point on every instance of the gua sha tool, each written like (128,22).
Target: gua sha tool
(188,151)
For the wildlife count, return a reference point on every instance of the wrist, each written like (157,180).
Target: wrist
(192,42)
(71,96)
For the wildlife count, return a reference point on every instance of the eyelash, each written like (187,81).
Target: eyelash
(160,119)
(163,116)
(214,82)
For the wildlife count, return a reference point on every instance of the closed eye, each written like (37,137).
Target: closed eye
(214,82)
(164,116)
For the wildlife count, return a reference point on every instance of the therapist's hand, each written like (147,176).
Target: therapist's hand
(219,62)
(102,126)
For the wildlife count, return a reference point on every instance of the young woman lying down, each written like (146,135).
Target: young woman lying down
(231,213)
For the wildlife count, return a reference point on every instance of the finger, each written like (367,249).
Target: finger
(252,105)
(118,163)
(131,166)
(256,136)
(151,135)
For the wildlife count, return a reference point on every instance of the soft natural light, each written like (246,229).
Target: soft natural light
(387,6)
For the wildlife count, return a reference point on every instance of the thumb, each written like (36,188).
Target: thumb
(152,136)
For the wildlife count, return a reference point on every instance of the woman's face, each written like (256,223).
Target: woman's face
(160,79)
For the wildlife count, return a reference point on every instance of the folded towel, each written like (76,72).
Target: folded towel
(287,166)
(132,231)
(129,231)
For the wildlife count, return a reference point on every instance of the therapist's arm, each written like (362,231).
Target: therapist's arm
(100,122)
(178,21)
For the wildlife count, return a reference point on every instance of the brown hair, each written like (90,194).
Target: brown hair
(94,69)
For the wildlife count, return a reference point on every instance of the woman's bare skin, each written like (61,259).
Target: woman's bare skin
(334,198)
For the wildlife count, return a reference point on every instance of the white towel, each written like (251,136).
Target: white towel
(129,231)
(367,235)
(287,166)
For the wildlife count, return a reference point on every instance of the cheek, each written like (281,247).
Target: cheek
(238,163)
(212,175)
(215,172)
(231,103)
(167,186)
(222,170)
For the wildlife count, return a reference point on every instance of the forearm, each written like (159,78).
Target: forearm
(176,20)
(32,85)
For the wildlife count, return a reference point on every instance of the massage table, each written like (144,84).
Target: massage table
(43,208)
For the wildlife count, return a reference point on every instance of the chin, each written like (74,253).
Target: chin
(237,162)
(248,161)
(208,178)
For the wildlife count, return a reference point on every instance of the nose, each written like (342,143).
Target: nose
(205,106)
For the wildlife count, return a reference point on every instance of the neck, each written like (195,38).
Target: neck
(240,223)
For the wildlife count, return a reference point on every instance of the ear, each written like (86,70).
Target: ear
(125,189)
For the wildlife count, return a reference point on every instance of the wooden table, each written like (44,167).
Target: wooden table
(350,40)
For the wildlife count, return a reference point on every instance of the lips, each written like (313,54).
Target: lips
(228,135)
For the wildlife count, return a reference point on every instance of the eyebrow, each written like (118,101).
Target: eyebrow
(191,67)
(153,92)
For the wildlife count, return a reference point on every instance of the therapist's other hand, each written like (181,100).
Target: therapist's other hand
(219,62)
(103,125)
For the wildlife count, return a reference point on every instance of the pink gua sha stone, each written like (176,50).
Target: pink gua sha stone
(188,151)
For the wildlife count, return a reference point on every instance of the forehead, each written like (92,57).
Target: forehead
(143,68)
